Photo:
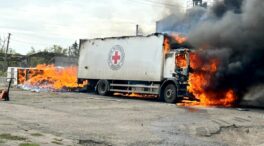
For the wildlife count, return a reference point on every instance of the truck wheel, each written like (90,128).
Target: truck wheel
(169,94)
(103,87)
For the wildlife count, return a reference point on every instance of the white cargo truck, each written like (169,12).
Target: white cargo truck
(136,64)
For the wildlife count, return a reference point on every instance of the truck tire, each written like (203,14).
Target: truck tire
(169,93)
(103,87)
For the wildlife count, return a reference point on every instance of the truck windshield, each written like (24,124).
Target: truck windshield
(181,61)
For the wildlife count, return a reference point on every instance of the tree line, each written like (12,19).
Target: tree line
(72,51)
(33,57)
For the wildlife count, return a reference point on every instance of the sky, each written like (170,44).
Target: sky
(43,23)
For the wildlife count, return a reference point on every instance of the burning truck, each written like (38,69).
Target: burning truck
(148,65)
(158,65)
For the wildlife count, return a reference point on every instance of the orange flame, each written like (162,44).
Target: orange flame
(49,76)
(179,39)
(181,60)
(199,80)
(166,46)
(136,95)
(21,76)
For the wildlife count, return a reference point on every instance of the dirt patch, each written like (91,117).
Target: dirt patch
(86,119)
(239,135)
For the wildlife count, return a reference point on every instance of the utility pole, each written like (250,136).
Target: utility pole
(8,40)
(7,48)
(137,29)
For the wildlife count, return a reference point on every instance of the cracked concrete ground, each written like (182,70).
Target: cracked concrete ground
(88,119)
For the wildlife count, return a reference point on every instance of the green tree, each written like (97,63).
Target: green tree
(74,50)
(57,49)
(11,51)
(32,51)
(2,45)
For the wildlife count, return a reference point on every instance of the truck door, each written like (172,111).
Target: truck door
(169,65)
(182,63)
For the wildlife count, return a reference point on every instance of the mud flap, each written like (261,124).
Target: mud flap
(4,95)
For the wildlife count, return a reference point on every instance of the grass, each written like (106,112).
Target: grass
(57,139)
(36,134)
(12,137)
(57,142)
(1,141)
(28,144)
(3,74)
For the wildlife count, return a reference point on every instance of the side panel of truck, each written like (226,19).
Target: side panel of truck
(142,58)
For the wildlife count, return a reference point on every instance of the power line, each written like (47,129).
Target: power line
(30,43)
(146,3)
(154,3)
(162,3)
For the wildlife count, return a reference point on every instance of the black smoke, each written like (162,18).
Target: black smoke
(177,22)
(234,33)
(220,8)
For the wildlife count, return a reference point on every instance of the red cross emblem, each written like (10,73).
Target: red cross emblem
(116,57)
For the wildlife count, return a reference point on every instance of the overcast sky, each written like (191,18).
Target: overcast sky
(42,23)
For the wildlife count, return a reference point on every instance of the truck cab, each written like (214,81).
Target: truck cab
(176,72)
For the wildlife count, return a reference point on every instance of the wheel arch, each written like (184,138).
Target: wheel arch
(166,82)
(103,80)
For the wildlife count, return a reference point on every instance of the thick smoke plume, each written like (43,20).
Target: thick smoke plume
(177,22)
(233,32)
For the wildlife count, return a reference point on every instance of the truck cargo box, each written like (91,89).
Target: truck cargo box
(137,58)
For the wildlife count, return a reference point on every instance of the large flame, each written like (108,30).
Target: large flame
(200,81)
(51,77)
(201,78)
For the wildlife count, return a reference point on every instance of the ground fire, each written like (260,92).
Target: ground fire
(49,77)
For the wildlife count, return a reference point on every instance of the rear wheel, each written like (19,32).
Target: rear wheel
(103,87)
(169,93)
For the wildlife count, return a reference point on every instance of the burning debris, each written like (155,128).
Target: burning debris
(229,61)
(49,78)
